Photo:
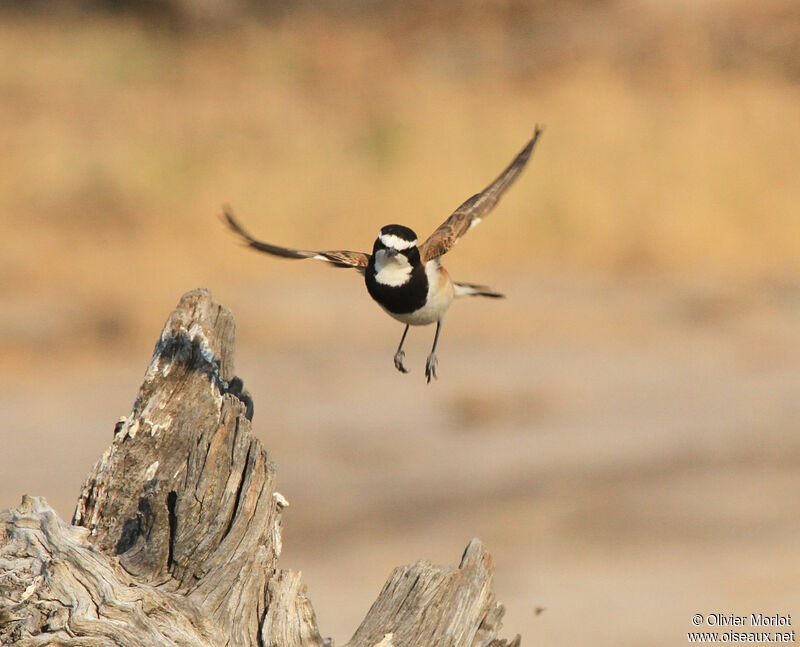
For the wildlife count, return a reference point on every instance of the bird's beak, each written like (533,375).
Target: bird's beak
(391,252)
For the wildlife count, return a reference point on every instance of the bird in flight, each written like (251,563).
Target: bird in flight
(405,278)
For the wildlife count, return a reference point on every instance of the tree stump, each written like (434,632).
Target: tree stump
(177,532)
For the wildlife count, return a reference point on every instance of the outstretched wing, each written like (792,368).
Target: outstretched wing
(479,205)
(338,258)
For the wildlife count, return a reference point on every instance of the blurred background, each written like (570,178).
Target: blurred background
(622,431)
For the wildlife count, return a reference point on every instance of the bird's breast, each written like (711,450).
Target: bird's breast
(423,299)
(396,297)
(440,295)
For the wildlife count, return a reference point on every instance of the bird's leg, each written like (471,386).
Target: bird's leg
(400,355)
(430,365)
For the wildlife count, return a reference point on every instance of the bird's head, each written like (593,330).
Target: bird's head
(397,240)
(395,255)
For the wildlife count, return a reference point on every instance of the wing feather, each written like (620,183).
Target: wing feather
(474,209)
(337,258)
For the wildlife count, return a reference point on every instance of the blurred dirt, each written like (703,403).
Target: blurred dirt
(627,464)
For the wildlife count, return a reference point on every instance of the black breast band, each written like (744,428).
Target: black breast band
(400,299)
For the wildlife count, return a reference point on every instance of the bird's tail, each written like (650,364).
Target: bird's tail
(472,290)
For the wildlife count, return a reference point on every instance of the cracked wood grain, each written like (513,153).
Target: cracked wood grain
(176,536)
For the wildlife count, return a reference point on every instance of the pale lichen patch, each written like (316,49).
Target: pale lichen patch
(151,471)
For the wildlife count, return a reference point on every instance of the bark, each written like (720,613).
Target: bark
(177,532)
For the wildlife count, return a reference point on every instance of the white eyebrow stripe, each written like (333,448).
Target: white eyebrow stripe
(395,242)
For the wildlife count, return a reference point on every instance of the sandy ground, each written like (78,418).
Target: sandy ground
(627,449)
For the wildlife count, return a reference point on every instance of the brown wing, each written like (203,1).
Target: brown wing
(479,205)
(338,258)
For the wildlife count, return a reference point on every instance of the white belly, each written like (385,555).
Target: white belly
(440,296)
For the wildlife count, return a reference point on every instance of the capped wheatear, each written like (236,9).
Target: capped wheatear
(407,279)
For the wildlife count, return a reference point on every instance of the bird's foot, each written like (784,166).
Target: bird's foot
(399,356)
(430,367)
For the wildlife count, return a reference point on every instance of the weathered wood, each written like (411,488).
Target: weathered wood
(176,535)
(57,588)
(423,605)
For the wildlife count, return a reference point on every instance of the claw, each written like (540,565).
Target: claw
(399,356)
(430,367)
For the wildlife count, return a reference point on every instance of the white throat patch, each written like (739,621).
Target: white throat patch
(392,270)
(395,242)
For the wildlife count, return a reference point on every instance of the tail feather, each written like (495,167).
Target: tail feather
(473,290)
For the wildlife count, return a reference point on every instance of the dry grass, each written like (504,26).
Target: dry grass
(660,153)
